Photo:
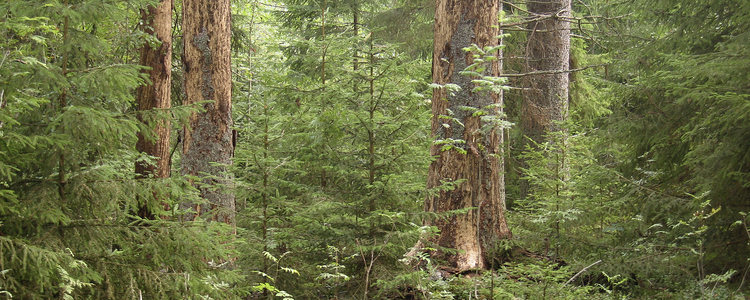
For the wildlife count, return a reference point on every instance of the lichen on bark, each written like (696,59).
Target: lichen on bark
(207,144)
(202,42)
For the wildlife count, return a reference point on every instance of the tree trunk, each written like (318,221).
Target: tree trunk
(208,143)
(157,21)
(458,24)
(545,97)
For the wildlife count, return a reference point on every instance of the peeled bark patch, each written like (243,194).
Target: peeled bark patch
(478,159)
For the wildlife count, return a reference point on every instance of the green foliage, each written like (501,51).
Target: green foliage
(682,121)
(332,153)
(331,106)
(572,195)
(268,287)
(581,208)
(68,193)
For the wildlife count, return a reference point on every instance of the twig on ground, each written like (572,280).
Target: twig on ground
(581,272)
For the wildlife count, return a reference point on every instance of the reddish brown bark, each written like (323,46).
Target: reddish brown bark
(458,24)
(156,21)
(208,140)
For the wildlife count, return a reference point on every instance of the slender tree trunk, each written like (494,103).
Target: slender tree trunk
(545,97)
(371,107)
(61,178)
(208,144)
(157,21)
(323,80)
(458,24)
(355,61)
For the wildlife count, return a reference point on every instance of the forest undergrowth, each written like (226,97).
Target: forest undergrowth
(641,191)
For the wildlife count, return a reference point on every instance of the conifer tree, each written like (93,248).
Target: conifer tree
(545,97)
(208,141)
(684,118)
(465,124)
(156,54)
(69,199)
(363,127)
(548,61)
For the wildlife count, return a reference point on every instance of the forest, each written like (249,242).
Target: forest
(380,149)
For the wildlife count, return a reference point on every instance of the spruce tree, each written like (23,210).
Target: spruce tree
(683,120)
(547,60)
(340,170)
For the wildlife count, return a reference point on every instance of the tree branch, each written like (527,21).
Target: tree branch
(581,272)
(551,71)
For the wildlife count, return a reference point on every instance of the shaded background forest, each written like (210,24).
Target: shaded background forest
(331,105)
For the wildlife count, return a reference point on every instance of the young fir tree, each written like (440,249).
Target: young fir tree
(341,162)
(266,198)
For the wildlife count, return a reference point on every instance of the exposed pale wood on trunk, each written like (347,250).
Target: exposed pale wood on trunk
(460,23)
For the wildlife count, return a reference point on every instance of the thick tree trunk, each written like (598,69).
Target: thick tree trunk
(208,140)
(157,21)
(545,97)
(458,24)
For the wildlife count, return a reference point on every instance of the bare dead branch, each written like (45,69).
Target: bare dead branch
(581,272)
(551,71)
